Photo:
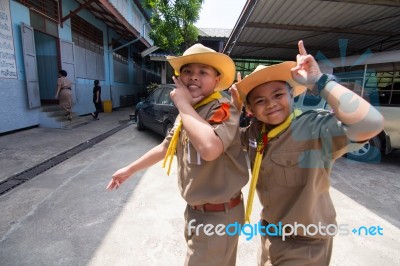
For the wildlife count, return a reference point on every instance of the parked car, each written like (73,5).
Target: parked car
(157,112)
(386,141)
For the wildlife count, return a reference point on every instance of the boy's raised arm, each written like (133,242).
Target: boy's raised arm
(361,119)
(200,132)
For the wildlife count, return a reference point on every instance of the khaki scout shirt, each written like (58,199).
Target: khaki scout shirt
(293,183)
(215,181)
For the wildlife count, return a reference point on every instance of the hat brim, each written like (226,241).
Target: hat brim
(278,72)
(221,62)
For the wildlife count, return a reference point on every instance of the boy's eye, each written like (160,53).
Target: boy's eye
(204,72)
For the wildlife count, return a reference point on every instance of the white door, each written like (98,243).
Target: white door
(31,74)
(68,64)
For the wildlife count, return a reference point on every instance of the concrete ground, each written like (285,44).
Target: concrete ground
(64,216)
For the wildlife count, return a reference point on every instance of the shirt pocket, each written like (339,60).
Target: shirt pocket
(286,169)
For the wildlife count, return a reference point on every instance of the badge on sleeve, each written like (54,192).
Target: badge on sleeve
(221,114)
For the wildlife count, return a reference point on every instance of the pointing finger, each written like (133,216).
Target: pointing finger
(239,76)
(302,50)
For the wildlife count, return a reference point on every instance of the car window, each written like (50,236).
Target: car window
(153,97)
(165,97)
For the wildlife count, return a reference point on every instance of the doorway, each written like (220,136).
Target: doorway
(47,65)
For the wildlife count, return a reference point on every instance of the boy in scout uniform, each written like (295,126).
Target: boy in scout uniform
(293,153)
(211,162)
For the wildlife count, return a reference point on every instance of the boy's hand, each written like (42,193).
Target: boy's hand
(235,97)
(118,178)
(307,71)
(181,94)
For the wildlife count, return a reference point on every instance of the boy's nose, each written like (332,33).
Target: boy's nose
(270,104)
(193,77)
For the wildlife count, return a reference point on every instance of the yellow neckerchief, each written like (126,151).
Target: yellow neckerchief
(261,145)
(174,141)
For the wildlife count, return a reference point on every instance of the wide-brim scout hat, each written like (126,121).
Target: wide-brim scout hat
(200,54)
(263,74)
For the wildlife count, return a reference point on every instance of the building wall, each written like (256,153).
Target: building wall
(14,109)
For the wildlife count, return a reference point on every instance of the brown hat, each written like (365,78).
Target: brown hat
(198,53)
(263,74)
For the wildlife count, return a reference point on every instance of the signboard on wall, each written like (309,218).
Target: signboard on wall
(8,67)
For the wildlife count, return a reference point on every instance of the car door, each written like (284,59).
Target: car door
(147,113)
(162,109)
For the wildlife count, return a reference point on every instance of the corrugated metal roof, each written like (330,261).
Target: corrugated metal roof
(270,29)
(215,32)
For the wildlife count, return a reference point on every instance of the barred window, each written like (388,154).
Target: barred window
(44,15)
(47,8)
(86,35)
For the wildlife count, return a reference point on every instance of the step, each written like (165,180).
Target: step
(51,108)
(76,122)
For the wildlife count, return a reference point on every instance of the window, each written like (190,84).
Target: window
(120,57)
(47,8)
(154,96)
(165,98)
(89,49)
(86,35)
(382,83)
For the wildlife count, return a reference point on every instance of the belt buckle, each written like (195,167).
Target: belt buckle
(226,206)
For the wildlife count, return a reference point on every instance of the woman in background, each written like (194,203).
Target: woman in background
(63,93)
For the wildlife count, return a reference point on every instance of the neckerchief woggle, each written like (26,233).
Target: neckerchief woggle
(262,142)
(174,141)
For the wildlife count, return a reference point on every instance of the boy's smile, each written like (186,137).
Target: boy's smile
(270,102)
(200,79)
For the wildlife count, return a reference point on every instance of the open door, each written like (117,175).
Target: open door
(31,74)
(68,64)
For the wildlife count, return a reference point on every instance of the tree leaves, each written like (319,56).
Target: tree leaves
(172,23)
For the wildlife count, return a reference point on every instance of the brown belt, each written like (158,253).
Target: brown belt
(220,207)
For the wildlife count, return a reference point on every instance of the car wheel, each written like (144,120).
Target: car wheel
(370,152)
(139,124)
(167,129)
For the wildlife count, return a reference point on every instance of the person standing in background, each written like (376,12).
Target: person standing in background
(97,100)
(63,93)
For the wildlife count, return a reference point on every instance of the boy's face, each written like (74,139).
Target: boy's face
(200,79)
(270,102)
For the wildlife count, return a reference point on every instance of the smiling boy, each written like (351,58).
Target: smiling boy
(211,163)
(293,153)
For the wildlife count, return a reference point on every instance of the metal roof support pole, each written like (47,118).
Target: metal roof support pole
(126,44)
(251,3)
(364,79)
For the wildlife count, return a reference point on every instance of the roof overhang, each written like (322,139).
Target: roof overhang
(106,12)
(271,29)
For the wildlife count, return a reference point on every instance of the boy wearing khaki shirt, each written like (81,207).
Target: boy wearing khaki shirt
(211,162)
(293,154)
